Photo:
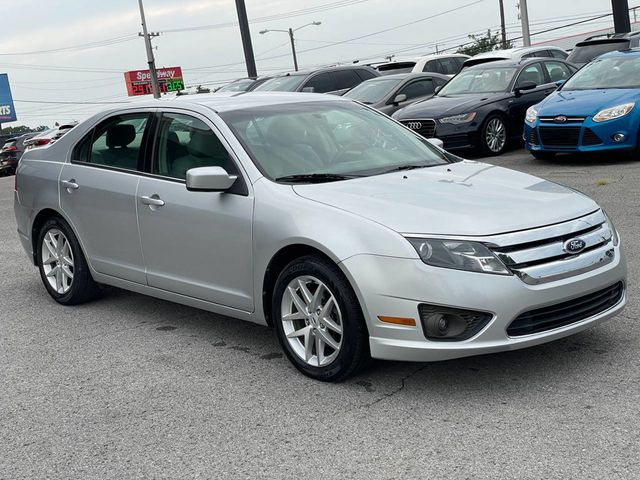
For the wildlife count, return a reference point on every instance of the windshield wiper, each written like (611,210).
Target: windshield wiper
(314,177)
(402,168)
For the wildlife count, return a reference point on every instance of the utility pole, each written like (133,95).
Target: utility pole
(621,16)
(249,59)
(290,32)
(152,63)
(293,49)
(524,18)
(503,26)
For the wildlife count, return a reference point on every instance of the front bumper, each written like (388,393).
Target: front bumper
(395,287)
(581,136)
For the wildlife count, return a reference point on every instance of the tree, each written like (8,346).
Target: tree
(20,129)
(484,43)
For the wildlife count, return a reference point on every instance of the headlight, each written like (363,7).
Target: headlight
(458,119)
(459,255)
(532,114)
(613,112)
(612,227)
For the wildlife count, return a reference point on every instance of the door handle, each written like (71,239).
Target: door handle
(153,200)
(70,184)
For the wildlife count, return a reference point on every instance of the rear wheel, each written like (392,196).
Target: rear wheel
(318,320)
(543,155)
(493,137)
(63,268)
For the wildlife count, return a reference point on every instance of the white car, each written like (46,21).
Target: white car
(520,53)
(444,64)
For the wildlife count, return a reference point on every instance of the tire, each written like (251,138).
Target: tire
(543,155)
(494,126)
(346,351)
(58,247)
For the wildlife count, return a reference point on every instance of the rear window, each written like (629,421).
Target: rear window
(585,53)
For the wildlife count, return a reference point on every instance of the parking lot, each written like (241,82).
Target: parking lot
(130,386)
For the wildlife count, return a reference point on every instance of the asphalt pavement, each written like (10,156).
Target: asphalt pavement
(134,387)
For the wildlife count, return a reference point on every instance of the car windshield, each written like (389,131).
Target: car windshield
(373,91)
(289,83)
(480,80)
(585,53)
(328,138)
(614,72)
(237,86)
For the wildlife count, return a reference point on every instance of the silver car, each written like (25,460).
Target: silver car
(349,234)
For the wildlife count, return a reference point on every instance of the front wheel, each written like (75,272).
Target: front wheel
(493,137)
(318,320)
(63,268)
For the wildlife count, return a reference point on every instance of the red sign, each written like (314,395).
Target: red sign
(139,81)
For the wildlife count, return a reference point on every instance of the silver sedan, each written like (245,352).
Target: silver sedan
(349,234)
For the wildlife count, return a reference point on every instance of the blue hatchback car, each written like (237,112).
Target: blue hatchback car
(597,109)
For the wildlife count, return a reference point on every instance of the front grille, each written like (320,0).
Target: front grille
(544,255)
(560,136)
(566,313)
(590,138)
(533,137)
(426,128)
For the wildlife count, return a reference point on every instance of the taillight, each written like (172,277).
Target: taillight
(12,148)
(42,141)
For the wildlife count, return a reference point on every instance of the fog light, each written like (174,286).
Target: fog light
(618,137)
(451,324)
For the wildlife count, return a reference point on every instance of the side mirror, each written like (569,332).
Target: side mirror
(309,89)
(436,142)
(209,179)
(559,83)
(400,98)
(437,89)
(524,87)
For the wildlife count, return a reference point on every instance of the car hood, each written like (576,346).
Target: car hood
(465,198)
(584,102)
(441,106)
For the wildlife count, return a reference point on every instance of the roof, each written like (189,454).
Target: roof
(435,56)
(237,101)
(633,52)
(322,69)
(407,75)
(513,52)
(510,62)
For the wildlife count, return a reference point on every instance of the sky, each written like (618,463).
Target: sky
(66,58)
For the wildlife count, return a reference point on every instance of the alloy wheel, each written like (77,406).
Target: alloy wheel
(57,261)
(495,135)
(312,321)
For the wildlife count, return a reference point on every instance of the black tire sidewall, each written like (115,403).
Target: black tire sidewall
(354,351)
(83,287)
(483,136)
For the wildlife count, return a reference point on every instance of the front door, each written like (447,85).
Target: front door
(197,244)
(98,194)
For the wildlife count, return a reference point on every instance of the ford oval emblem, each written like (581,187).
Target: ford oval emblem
(574,246)
(560,119)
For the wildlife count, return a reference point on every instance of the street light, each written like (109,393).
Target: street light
(293,43)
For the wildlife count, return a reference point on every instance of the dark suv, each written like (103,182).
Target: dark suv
(335,80)
(595,46)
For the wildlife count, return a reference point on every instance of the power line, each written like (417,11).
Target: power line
(74,48)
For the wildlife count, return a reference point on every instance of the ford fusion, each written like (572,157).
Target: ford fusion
(351,235)
(593,111)
(484,106)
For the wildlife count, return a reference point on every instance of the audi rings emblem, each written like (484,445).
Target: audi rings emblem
(414,125)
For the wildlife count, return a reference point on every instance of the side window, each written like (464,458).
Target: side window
(439,82)
(448,66)
(321,83)
(185,142)
(557,71)
(117,142)
(532,73)
(345,79)
(431,66)
(419,88)
(559,54)
(365,74)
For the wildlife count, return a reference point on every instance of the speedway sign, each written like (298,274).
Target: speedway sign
(7,110)
(139,81)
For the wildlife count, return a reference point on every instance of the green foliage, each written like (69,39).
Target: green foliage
(484,43)
(20,129)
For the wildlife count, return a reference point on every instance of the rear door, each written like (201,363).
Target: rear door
(98,194)
(197,244)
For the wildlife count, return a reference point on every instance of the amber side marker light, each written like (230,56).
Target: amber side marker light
(409,322)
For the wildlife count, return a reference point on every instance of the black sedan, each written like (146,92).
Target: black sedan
(484,106)
(393,92)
